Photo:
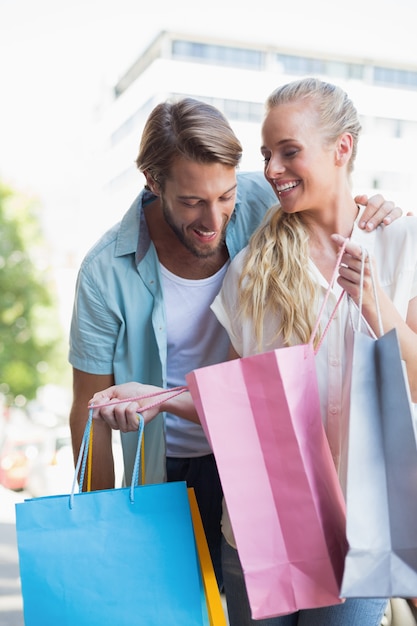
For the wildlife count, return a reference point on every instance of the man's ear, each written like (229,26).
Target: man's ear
(344,147)
(151,183)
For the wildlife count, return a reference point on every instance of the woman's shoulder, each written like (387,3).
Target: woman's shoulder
(395,248)
(402,232)
(237,263)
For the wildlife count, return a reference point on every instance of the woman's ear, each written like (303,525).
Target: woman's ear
(344,146)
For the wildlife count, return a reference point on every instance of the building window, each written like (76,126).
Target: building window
(409,130)
(300,65)
(292,64)
(338,69)
(387,180)
(234,110)
(392,77)
(394,128)
(217,55)
(239,110)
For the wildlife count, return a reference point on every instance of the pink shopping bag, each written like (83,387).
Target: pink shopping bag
(262,416)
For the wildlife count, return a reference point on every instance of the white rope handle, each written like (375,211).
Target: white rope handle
(365,255)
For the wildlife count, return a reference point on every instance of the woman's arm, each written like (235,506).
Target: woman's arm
(119,405)
(349,280)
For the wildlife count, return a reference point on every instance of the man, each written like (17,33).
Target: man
(143,293)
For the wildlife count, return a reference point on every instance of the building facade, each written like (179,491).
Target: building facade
(237,78)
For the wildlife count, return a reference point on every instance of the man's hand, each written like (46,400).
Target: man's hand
(378,211)
(119,405)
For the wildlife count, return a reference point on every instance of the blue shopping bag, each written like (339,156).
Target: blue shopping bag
(116,557)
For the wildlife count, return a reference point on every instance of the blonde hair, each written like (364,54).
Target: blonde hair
(276,275)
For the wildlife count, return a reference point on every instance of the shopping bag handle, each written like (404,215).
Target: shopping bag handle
(365,255)
(83,455)
(135,474)
(172,392)
(326,297)
(82,459)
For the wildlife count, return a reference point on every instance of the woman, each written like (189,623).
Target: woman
(273,289)
(310,136)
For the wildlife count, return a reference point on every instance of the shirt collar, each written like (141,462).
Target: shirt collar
(133,236)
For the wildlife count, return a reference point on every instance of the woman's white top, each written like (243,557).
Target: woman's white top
(394,249)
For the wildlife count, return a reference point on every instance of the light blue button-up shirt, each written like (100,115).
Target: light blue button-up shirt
(118,324)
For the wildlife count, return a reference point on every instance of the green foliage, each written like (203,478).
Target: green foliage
(31,341)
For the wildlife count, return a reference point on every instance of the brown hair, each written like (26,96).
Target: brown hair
(188,128)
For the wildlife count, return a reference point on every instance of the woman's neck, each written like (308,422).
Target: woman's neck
(322,250)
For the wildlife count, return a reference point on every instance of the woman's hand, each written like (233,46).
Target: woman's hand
(123,416)
(383,319)
(350,273)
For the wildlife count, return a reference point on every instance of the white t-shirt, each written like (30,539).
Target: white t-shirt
(395,251)
(195,339)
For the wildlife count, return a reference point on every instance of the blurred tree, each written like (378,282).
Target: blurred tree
(31,340)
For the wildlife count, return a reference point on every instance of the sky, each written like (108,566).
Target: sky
(58,56)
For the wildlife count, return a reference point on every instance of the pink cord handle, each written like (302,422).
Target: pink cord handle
(326,297)
(173,392)
(176,391)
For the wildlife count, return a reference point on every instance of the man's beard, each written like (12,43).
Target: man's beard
(195,250)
